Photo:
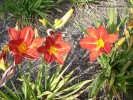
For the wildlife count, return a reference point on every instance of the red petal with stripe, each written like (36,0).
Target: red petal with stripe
(94,55)
(49,58)
(112,38)
(13,33)
(107,48)
(49,42)
(88,43)
(27,34)
(58,37)
(63,48)
(37,42)
(31,53)
(42,49)
(13,46)
(92,32)
(18,58)
(59,59)
(102,33)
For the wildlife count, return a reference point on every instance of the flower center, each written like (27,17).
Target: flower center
(100,43)
(52,50)
(22,47)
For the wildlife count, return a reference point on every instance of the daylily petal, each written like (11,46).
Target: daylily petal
(112,38)
(27,34)
(88,43)
(63,48)
(58,37)
(94,55)
(18,58)
(13,46)
(101,33)
(49,58)
(13,33)
(92,32)
(49,42)
(31,53)
(107,48)
(42,49)
(7,74)
(59,59)
(37,42)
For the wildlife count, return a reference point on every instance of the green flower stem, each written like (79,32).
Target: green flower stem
(21,72)
(104,61)
(112,57)
(27,83)
(45,72)
(30,64)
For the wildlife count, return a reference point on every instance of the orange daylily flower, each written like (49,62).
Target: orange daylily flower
(98,41)
(22,44)
(54,49)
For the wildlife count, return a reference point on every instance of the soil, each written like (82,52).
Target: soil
(78,57)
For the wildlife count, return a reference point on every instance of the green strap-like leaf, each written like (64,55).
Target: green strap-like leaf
(11,93)
(82,28)
(75,87)
(68,91)
(44,93)
(37,4)
(4,96)
(96,85)
(56,79)
(63,81)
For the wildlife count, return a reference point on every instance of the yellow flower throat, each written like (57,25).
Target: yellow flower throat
(52,50)
(22,47)
(100,43)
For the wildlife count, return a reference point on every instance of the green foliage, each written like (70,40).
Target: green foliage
(45,87)
(28,10)
(114,23)
(130,2)
(56,86)
(116,71)
(82,28)
(124,63)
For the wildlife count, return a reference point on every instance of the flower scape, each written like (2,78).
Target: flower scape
(42,59)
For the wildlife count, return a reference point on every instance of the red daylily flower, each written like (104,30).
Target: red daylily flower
(22,44)
(54,49)
(98,41)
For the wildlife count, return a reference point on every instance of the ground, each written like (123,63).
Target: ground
(72,33)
